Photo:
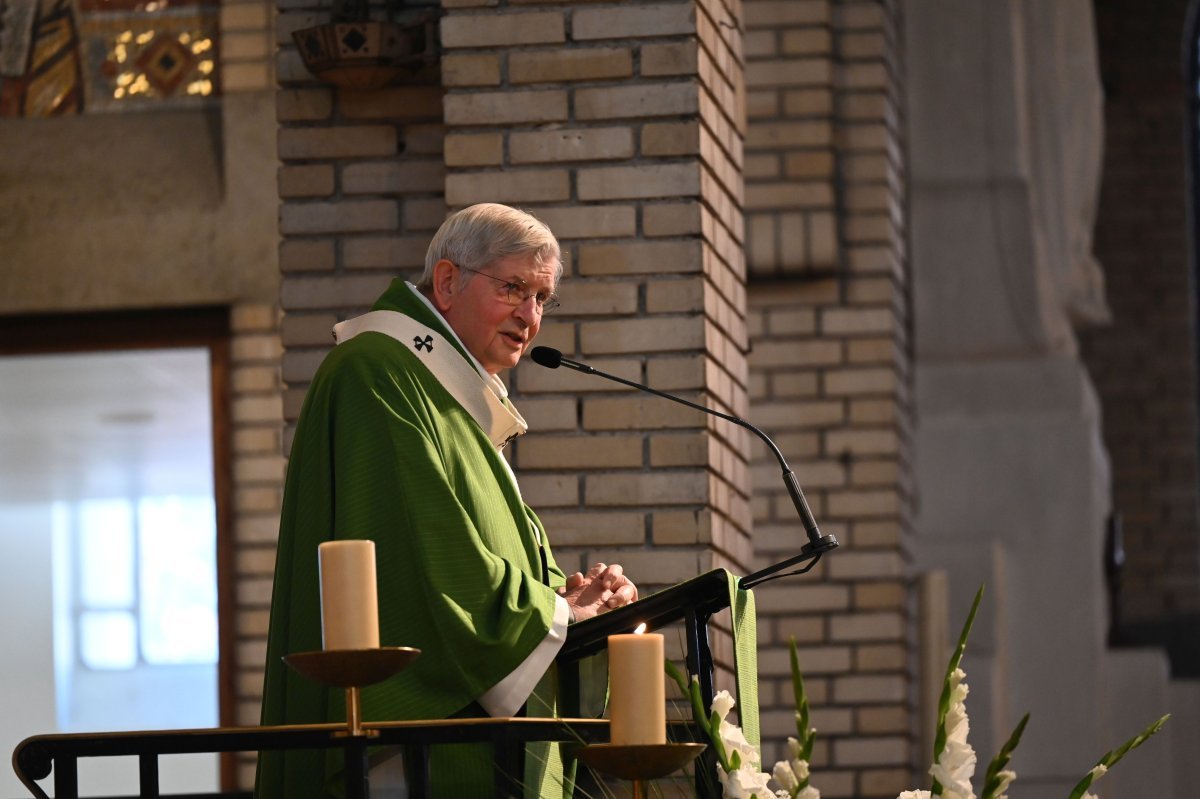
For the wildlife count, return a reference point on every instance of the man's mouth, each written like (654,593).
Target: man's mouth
(515,339)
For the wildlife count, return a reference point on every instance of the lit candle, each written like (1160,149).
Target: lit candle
(349,604)
(637,701)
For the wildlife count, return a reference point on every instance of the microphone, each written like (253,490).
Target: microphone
(817,544)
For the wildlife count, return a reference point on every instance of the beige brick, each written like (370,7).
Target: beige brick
(862,442)
(258,469)
(656,488)
(643,257)
(812,660)
(637,101)
(788,194)
(871,751)
(506,108)
(789,72)
(309,180)
(673,58)
(593,63)
(580,144)
(398,103)
(884,719)
(424,139)
(305,255)
(808,102)
(245,76)
(592,528)
(460,69)
(499,29)
(393,177)
(384,252)
(672,219)
(261,347)
(353,291)
(252,316)
(257,529)
(882,688)
(676,373)
(590,222)
(843,322)
(860,381)
(246,46)
(681,449)
(762,105)
(630,22)
(308,329)
(337,142)
(654,334)
(346,216)
(299,366)
(474,149)
(870,565)
(666,296)
(671,138)
(881,657)
(243,16)
(246,379)
(781,597)
(807,41)
(808,352)
(809,164)
(761,14)
(866,627)
(252,500)
(515,186)
(600,299)
(580,452)
(789,135)
(423,213)
(550,490)
(303,105)
(681,527)
(635,412)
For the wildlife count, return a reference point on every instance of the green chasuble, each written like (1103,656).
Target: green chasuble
(383,451)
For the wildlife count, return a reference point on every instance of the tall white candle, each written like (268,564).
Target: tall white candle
(349,603)
(637,700)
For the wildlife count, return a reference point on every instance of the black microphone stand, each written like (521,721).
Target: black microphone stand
(817,545)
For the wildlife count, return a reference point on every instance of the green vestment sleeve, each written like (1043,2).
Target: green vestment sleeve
(382,451)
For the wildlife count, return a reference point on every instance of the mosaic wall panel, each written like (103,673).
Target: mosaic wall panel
(93,56)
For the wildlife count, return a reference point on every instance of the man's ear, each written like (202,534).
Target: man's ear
(445,285)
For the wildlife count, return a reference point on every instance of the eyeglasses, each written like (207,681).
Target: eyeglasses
(514,292)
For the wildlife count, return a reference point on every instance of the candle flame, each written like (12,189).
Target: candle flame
(641,628)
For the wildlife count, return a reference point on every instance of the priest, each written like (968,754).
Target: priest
(400,441)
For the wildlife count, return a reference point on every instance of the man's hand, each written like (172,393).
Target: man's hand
(601,589)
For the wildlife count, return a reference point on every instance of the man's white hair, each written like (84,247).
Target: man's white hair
(480,234)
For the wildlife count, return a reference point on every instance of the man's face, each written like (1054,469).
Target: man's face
(497,333)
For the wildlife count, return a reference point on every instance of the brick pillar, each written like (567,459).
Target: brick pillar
(830,378)
(620,126)
(257,419)
(246,46)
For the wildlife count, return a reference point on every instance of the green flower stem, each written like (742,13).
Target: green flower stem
(991,782)
(710,725)
(1113,757)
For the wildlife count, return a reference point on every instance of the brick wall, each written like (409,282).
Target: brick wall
(246,46)
(829,379)
(1144,363)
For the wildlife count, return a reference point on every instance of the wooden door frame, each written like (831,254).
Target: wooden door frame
(168,328)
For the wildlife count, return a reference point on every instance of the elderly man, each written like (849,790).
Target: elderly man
(399,441)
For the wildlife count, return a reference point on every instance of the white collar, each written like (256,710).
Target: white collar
(493,381)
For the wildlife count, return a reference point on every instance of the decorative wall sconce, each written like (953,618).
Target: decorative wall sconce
(354,51)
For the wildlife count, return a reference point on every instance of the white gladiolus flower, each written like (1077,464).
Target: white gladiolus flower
(914,795)
(744,783)
(722,703)
(809,792)
(735,741)
(956,764)
(1006,777)
(1099,771)
(785,776)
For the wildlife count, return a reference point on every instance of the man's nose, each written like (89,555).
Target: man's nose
(527,310)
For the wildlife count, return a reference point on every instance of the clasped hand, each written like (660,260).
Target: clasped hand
(602,589)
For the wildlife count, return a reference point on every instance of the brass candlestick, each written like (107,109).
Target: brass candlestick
(352,669)
(639,762)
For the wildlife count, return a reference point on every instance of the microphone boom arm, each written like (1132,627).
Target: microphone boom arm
(817,544)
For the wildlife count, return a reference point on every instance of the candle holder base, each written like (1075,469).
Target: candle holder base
(639,762)
(352,669)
